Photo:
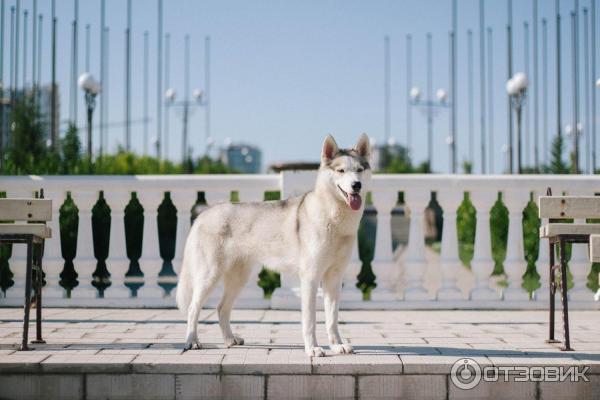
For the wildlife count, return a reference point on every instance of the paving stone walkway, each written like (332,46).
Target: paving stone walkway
(137,353)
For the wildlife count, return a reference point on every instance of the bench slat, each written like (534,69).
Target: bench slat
(25,209)
(550,230)
(39,230)
(569,206)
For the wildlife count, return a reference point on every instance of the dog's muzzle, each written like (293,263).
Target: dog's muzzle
(353,200)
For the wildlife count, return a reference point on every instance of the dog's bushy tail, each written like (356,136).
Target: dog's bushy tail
(184,287)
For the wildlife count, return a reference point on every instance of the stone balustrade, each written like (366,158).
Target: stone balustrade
(413,275)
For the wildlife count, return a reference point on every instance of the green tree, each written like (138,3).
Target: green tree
(557,164)
(27,152)
(70,147)
(397,160)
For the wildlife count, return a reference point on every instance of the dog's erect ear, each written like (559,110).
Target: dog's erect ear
(363,146)
(330,149)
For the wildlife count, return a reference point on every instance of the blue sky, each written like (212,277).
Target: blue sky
(286,73)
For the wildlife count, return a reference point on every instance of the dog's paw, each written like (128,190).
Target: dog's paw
(191,345)
(233,341)
(342,348)
(315,352)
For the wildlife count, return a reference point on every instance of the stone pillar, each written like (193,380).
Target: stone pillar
(384,266)
(349,290)
(150,262)
(449,200)
(516,200)
(580,264)
(580,267)
(415,261)
(543,267)
(52,262)
(183,200)
(482,264)
(117,262)
(85,262)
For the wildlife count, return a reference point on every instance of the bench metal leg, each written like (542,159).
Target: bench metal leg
(27,294)
(38,295)
(552,296)
(563,295)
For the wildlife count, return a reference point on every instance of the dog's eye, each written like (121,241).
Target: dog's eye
(341,170)
(360,170)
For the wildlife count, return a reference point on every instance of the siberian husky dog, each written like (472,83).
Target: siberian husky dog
(311,235)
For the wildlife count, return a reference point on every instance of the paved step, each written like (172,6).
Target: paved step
(399,354)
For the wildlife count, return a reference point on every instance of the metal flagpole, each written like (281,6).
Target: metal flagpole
(558,72)
(491,98)
(186,99)
(453,88)
(536,136)
(575,94)
(17,44)
(586,89)
(53,101)
(128,79)
(11,64)
(75,66)
(545,88)
(145,92)
(208,98)
(510,72)
(34,44)
(102,74)
(482,82)
(159,87)
(527,115)
(386,89)
(167,83)
(594,114)
(2,82)
(470,96)
(408,87)
(429,97)
(39,51)
(25,40)
(106,87)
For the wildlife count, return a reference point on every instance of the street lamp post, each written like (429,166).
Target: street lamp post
(428,107)
(91,88)
(516,87)
(185,104)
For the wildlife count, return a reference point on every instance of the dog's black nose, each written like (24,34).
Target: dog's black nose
(356,186)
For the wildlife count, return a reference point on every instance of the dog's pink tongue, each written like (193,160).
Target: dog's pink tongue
(355,201)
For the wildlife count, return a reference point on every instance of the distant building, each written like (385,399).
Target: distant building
(243,158)
(44,100)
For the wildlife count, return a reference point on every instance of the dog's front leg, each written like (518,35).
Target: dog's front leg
(308,287)
(332,287)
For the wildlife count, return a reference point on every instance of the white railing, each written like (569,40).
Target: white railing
(415,277)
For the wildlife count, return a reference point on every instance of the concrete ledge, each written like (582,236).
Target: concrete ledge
(274,386)
(130,354)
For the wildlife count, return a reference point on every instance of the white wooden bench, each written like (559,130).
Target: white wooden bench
(24,222)
(559,233)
